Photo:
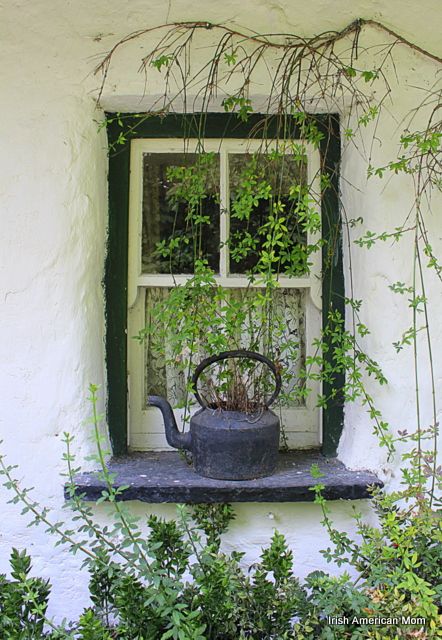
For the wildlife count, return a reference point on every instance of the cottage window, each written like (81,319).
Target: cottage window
(136,275)
(151,221)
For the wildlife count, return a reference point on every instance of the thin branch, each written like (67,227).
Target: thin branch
(318,44)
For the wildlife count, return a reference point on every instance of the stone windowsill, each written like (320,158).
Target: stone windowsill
(164,476)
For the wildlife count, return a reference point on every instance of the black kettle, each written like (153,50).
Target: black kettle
(228,445)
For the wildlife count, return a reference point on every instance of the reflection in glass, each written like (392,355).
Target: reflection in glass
(264,185)
(180,221)
(275,328)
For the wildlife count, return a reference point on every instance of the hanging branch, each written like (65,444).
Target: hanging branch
(300,71)
(321,45)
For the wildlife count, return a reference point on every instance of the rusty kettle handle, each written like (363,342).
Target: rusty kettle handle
(239,353)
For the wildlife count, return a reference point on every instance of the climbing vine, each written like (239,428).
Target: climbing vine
(333,72)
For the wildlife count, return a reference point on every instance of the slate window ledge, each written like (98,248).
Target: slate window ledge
(164,476)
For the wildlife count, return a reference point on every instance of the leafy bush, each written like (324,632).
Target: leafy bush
(23,601)
(220,600)
(177,582)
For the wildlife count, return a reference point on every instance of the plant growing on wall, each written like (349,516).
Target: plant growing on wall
(328,71)
(320,71)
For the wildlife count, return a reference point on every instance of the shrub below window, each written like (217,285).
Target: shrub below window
(176,581)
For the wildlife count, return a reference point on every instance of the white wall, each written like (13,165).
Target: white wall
(53,230)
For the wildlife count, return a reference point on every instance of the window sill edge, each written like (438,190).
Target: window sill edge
(165,477)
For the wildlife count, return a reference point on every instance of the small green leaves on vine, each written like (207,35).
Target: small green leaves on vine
(162,61)
(408,337)
(369,76)
(370,115)
(400,287)
(230,58)
(350,72)
(308,129)
(240,105)
(370,238)
(424,142)
(366,75)
(418,303)
(354,304)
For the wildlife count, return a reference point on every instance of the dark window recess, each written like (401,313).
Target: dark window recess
(281,173)
(164,476)
(166,217)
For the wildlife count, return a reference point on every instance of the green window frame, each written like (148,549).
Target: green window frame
(216,125)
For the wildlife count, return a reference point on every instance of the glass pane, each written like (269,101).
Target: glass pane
(180,221)
(265,187)
(274,326)
(161,378)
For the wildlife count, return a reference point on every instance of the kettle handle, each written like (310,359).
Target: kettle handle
(239,353)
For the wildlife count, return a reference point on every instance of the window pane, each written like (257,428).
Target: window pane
(180,212)
(261,186)
(161,379)
(275,327)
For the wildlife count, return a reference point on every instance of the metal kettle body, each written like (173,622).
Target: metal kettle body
(227,445)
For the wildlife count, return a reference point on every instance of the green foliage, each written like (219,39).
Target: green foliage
(176,581)
(201,318)
(241,105)
(366,75)
(421,153)
(275,226)
(279,244)
(23,601)
(399,564)
(189,189)
(308,129)
(104,573)
(230,58)
(213,520)
(371,114)
(399,561)
(90,627)
(162,61)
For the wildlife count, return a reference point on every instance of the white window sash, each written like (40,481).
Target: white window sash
(145,425)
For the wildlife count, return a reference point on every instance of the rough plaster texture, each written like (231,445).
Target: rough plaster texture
(53,220)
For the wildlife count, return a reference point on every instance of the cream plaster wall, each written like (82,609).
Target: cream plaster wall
(53,208)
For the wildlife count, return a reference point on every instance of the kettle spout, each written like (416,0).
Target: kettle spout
(174,437)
